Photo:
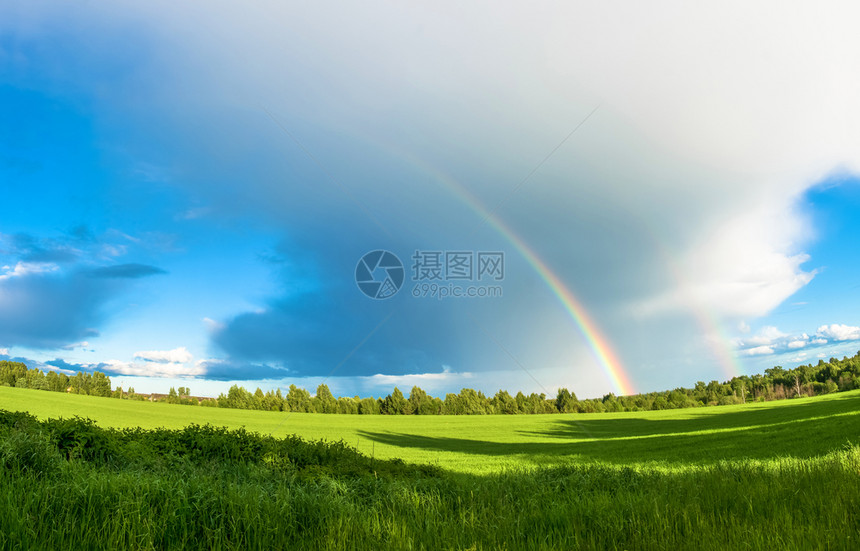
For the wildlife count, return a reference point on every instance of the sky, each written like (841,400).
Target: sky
(638,198)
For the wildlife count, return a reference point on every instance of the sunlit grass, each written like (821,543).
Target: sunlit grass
(801,428)
(779,475)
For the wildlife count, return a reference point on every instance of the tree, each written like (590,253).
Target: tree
(473,403)
(368,406)
(327,403)
(100,384)
(396,404)
(421,403)
(504,403)
(347,405)
(298,399)
(565,401)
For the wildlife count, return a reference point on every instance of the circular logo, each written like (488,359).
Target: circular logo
(379,274)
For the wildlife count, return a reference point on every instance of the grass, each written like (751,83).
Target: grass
(777,475)
(801,428)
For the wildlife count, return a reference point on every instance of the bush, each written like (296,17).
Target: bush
(28,452)
(79,438)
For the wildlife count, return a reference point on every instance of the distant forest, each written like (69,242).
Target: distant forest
(775,384)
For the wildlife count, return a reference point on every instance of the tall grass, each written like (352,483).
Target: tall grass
(72,485)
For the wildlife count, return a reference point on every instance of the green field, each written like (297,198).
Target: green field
(776,475)
(801,428)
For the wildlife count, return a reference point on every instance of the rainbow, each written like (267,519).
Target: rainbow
(706,320)
(600,346)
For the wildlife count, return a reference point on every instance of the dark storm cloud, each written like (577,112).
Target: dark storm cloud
(126,271)
(322,324)
(64,365)
(50,310)
(232,371)
(29,248)
(43,306)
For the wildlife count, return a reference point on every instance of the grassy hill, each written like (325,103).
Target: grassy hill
(778,475)
(801,428)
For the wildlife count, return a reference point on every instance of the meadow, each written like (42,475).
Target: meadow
(775,475)
(801,428)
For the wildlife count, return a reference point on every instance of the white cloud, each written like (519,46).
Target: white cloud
(179,355)
(745,267)
(766,335)
(150,369)
(759,351)
(839,332)
(28,268)
(409,380)
(819,341)
(797,344)
(4,351)
(212,325)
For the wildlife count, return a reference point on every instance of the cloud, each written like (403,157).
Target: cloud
(839,332)
(224,370)
(687,189)
(57,304)
(759,350)
(39,251)
(212,325)
(66,367)
(126,271)
(4,351)
(766,335)
(23,269)
(50,310)
(114,368)
(678,199)
(770,340)
(72,346)
(747,267)
(148,369)
(444,379)
(179,355)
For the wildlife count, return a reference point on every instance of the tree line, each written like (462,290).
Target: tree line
(775,383)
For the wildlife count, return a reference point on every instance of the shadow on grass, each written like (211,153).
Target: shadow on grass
(806,428)
(699,420)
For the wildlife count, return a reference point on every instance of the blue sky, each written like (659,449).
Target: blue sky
(187,192)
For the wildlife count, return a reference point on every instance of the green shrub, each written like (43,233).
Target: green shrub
(28,452)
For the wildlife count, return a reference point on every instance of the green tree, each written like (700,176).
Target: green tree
(298,399)
(327,403)
(421,403)
(503,403)
(100,385)
(396,404)
(565,401)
